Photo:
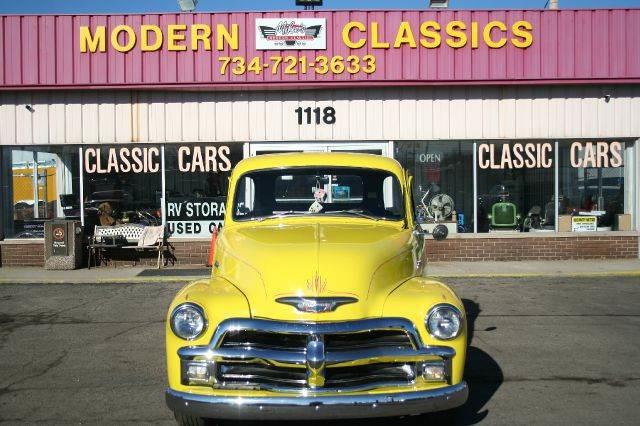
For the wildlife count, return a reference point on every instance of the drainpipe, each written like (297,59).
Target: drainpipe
(2,197)
(553,4)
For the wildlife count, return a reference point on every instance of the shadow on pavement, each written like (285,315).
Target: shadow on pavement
(482,372)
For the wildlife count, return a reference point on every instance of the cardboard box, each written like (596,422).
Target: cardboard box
(623,222)
(564,223)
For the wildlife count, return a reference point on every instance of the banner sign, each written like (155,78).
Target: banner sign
(189,217)
(262,49)
(286,34)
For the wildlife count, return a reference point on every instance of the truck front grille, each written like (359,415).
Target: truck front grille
(332,342)
(290,356)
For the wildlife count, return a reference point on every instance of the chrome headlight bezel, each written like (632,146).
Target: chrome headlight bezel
(441,307)
(185,306)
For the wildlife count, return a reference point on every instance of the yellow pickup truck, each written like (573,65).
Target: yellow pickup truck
(316,307)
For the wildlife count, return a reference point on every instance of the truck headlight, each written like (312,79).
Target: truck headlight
(444,322)
(188,321)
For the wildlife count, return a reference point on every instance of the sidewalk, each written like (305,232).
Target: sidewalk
(435,269)
(556,268)
(132,274)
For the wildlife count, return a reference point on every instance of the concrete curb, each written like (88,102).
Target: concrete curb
(540,275)
(132,280)
(186,279)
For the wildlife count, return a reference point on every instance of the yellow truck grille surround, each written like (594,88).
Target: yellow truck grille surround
(321,357)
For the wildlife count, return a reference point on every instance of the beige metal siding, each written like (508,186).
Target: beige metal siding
(426,113)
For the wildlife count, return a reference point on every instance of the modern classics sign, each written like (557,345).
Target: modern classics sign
(260,49)
(301,33)
(287,33)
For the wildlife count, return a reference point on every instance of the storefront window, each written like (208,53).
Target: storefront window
(445,170)
(591,184)
(40,183)
(515,180)
(122,184)
(516,186)
(197,180)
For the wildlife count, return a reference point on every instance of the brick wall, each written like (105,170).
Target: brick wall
(452,250)
(22,254)
(179,253)
(538,248)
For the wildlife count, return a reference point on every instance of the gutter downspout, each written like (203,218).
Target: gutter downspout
(2,196)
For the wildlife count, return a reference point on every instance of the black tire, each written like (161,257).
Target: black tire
(189,420)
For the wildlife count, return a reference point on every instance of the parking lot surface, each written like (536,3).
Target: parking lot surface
(543,351)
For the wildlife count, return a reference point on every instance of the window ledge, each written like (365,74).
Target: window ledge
(514,235)
(188,240)
(17,241)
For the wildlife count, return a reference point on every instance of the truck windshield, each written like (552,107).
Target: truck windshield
(356,192)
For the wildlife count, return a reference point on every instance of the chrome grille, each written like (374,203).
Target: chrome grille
(262,340)
(332,342)
(289,356)
(368,339)
(382,374)
(255,375)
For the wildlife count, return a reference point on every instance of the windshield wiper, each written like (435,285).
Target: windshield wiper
(355,212)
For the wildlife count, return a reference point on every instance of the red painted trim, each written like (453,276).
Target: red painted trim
(571,46)
(296,85)
(319,10)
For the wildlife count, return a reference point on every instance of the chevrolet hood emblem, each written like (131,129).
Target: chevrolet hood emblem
(316,304)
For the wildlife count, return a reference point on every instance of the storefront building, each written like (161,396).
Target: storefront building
(527,121)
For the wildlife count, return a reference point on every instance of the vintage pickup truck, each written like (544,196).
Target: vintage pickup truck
(316,307)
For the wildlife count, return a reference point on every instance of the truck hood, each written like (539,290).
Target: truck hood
(360,260)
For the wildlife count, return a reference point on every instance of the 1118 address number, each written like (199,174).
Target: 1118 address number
(327,115)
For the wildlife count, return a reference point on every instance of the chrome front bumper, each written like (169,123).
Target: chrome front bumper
(318,407)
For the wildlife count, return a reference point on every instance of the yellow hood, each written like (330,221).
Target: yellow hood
(359,258)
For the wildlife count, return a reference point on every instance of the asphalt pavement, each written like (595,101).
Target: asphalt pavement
(544,350)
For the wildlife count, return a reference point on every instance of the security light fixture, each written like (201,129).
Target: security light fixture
(439,4)
(309,4)
(187,5)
